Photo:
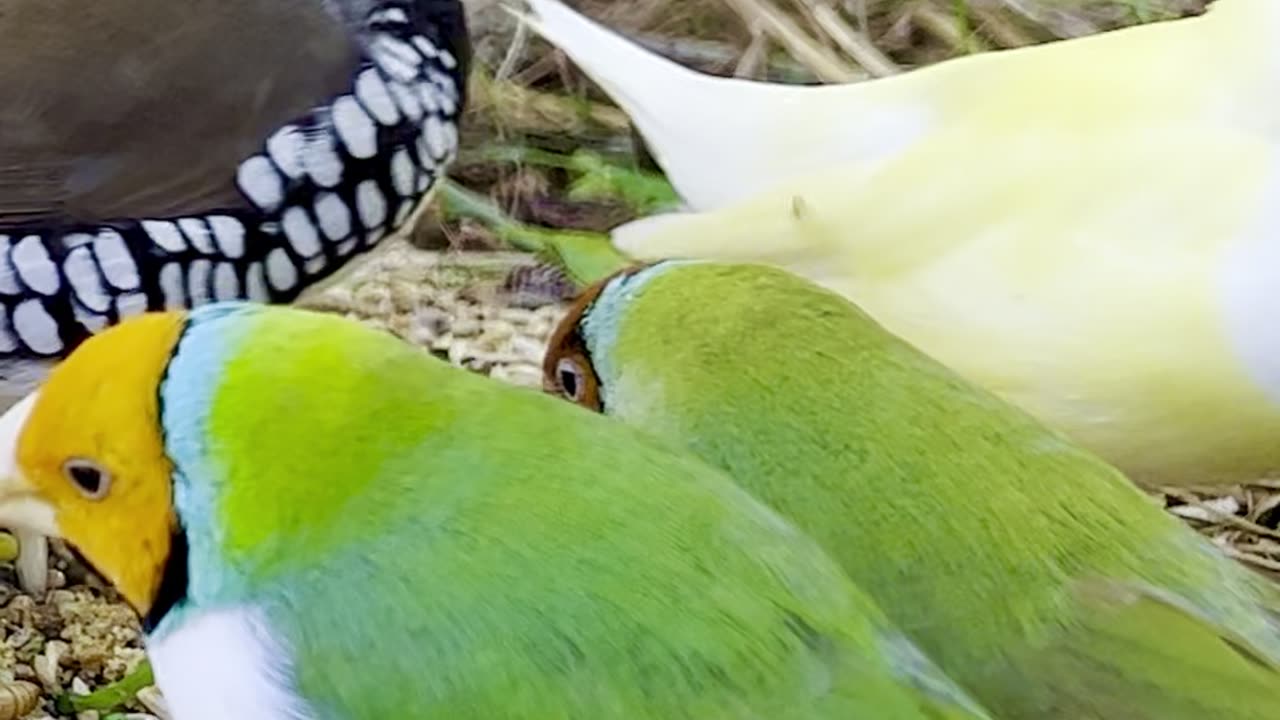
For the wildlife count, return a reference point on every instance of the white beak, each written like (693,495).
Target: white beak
(30,518)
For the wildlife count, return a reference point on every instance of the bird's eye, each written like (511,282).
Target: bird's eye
(90,478)
(570,377)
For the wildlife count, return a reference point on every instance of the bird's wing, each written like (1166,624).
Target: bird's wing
(146,113)
(1138,652)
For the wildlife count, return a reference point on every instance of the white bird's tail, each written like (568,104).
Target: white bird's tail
(720,140)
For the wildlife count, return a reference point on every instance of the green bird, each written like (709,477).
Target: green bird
(317,521)
(1033,573)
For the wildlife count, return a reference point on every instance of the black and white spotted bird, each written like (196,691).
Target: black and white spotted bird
(165,153)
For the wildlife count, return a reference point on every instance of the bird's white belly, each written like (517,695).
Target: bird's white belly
(222,664)
(1250,284)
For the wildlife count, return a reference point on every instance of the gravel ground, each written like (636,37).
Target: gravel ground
(489,312)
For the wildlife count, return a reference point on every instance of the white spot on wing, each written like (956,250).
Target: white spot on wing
(285,148)
(256,283)
(438,140)
(345,247)
(447,60)
(281,272)
(450,141)
(370,204)
(390,15)
(173,287)
(226,286)
(198,281)
(446,91)
(225,663)
(355,128)
(313,266)
(86,282)
(402,173)
(375,98)
(321,159)
(403,212)
(165,234)
(334,217)
(397,58)
(34,265)
(36,327)
(424,151)
(425,46)
(258,180)
(300,232)
(92,321)
(229,234)
(8,276)
(407,100)
(117,264)
(131,304)
(428,95)
(198,234)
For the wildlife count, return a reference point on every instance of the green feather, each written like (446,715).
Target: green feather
(584,257)
(984,536)
(595,177)
(426,542)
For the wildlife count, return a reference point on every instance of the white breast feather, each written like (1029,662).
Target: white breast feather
(222,664)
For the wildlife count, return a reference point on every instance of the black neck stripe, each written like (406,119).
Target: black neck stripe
(173,583)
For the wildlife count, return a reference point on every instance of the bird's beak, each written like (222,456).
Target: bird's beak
(20,507)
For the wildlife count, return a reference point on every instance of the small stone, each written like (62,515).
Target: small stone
(373,300)
(459,352)
(47,665)
(530,349)
(466,327)
(517,316)
(57,579)
(47,620)
(498,330)
(153,701)
(522,375)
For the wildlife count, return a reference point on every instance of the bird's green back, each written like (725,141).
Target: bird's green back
(1034,574)
(430,543)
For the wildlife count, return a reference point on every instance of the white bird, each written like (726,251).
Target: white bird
(1089,228)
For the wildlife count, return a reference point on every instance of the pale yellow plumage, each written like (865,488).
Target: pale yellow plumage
(1090,228)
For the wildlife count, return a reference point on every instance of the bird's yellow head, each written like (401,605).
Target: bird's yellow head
(83,457)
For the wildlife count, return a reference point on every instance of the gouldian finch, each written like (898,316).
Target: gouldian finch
(1036,575)
(167,153)
(317,520)
(1087,228)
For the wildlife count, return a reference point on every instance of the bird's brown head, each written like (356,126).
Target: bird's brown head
(567,367)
